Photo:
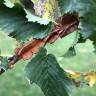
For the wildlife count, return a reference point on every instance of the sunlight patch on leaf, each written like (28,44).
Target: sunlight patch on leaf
(33,18)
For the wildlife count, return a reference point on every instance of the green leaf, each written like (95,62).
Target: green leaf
(70,53)
(81,39)
(93,39)
(81,6)
(4,63)
(41,11)
(32,18)
(63,4)
(44,70)
(11,3)
(88,24)
(85,9)
(28,7)
(14,23)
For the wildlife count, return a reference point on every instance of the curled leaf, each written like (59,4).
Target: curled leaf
(27,50)
(68,23)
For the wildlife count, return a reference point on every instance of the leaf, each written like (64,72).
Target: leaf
(11,3)
(32,18)
(3,63)
(91,78)
(65,27)
(73,75)
(50,10)
(14,23)
(7,63)
(71,52)
(80,6)
(89,30)
(45,11)
(88,24)
(63,4)
(81,39)
(67,24)
(44,70)
(28,49)
(29,5)
(86,10)
(31,14)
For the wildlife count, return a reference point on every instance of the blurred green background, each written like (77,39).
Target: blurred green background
(13,83)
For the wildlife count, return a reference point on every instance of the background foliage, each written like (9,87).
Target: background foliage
(14,82)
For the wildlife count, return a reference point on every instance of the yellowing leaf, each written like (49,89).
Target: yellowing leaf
(73,75)
(91,78)
(34,1)
(47,9)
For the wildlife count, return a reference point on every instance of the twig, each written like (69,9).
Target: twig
(12,61)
